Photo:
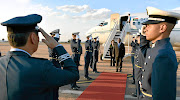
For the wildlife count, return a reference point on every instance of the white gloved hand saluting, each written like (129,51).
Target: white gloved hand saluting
(78,37)
(90,38)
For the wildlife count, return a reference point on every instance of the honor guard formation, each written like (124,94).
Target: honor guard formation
(23,77)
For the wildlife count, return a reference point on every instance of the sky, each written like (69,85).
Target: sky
(75,15)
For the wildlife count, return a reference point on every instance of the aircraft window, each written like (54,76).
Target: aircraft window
(134,23)
(105,23)
(139,23)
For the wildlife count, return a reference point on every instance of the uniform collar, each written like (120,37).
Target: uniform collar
(160,42)
(16,49)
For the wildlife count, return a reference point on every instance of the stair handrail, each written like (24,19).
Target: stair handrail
(124,31)
(109,39)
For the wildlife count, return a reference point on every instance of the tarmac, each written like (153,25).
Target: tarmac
(66,93)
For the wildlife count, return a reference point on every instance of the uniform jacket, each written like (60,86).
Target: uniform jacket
(133,45)
(140,56)
(75,46)
(95,46)
(160,67)
(88,47)
(28,78)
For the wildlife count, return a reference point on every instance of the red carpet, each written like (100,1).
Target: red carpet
(107,86)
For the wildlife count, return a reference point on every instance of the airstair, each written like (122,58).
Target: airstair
(114,35)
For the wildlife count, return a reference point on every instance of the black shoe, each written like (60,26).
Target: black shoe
(120,70)
(116,70)
(88,78)
(77,86)
(134,94)
(74,88)
(97,72)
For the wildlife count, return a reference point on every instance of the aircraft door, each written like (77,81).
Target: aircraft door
(122,22)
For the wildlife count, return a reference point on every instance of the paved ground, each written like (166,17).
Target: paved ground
(65,93)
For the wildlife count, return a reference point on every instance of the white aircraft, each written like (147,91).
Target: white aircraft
(116,27)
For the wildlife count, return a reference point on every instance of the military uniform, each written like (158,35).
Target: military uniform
(75,45)
(159,76)
(28,78)
(55,34)
(95,55)
(51,55)
(80,50)
(91,60)
(160,67)
(87,57)
(140,56)
(133,45)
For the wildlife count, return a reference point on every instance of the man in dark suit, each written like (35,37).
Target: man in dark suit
(75,47)
(160,67)
(28,78)
(120,54)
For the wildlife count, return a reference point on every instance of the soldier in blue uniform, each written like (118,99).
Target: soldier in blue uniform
(80,50)
(75,46)
(56,35)
(98,47)
(133,45)
(95,55)
(91,60)
(160,67)
(28,78)
(139,61)
(87,57)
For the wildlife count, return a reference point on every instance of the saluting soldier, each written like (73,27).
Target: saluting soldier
(80,49)
(95,55)
(56,35)
(75,47)
(91,60)
(87,57)
(160,67)
(98,47)
(24,77)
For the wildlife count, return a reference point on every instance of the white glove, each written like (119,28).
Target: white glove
(97,39)
(90,38)
(78,37)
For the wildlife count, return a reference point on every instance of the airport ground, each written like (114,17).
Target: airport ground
(65,92)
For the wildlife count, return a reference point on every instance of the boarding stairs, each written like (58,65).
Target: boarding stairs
(114,35)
